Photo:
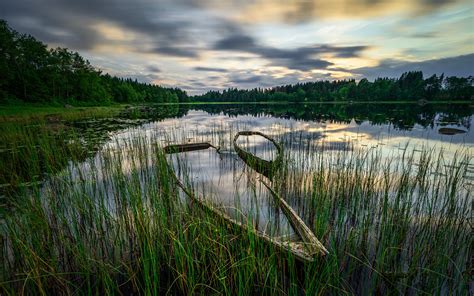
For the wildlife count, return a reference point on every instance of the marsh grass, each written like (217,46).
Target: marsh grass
(39,141)
(117,224)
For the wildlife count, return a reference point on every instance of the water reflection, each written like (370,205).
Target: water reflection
(227,182)
(216,173)
(401,116)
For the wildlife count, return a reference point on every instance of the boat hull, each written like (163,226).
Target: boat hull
(268,168)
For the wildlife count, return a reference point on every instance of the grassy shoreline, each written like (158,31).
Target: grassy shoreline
(32,112)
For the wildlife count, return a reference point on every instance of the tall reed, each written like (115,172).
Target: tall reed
(118,224)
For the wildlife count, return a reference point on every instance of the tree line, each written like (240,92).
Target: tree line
(411,86)
(32,73)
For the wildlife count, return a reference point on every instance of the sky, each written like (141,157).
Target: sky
(201,45)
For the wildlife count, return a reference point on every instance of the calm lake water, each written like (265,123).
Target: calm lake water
(387,130)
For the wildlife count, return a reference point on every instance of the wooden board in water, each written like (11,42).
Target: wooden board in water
(265,167)
(177,148)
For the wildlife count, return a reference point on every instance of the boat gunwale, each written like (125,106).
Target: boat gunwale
(267,168)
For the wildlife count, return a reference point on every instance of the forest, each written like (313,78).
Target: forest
(32,73)
(411,86)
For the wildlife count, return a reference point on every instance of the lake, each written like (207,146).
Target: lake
(389,131)
(310,134)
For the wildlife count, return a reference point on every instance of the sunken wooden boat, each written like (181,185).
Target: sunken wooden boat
(306,249)
(268,168)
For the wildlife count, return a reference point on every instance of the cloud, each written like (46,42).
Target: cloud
(183,52)
(153,68)
(237,41)
(298,11)
(209,69)
(250,79)
(58,29)
(454,66)
(71,23)
(301,58)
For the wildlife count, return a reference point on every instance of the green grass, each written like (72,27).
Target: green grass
(35,141)
(25,112)
(119,225)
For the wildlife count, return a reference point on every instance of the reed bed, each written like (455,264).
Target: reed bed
(117,223)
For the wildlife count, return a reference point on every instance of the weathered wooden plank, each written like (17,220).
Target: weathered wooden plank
(298,249)
(177,148)
(268,169)
(311,242)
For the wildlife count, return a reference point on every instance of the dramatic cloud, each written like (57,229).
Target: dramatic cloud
(236,42)
(254,43)
(72,22)
(301,58)
(307,10)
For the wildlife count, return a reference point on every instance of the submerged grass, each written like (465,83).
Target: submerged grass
(40,140)
(117,224)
